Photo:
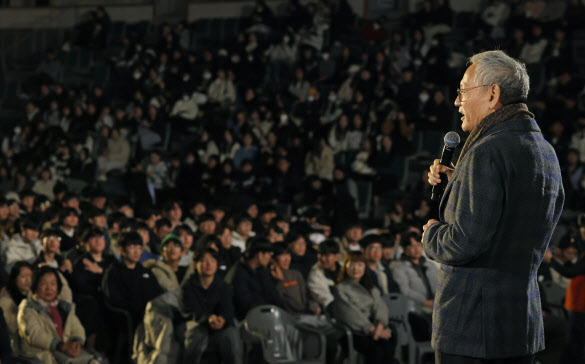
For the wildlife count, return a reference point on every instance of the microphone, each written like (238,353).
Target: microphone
(451,140)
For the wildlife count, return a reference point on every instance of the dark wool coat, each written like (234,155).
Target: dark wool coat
(497,215)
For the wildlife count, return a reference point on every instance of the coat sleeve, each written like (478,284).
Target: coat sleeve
(401,276)
(77,332)
(30,329)
(345,311)
(479,198)
(380,310)
(318,287)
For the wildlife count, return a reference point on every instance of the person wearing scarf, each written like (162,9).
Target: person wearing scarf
(497,214)
(48,326)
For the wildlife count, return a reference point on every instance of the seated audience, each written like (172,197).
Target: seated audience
(250,280)
(17,289)
(208,302)
(128,285)
(359,305)
(48,326)
(417,278)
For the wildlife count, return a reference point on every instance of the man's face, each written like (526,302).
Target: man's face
(99,221)
(207,227)
(244,228)
(354,234)
(415,249)
(327,261)
(207,266)
(474,105)
(4,211)
(132,253)
(283,260)
(264,258)
(374,252)
(97,244)
(163,231)
(172,252)
(175,214)
(99,202)
(388,253)
(299,246)
(186,239)
(28,201)
(51,244)
(71,221)
(30,235)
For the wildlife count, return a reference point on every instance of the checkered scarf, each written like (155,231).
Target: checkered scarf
(508,112)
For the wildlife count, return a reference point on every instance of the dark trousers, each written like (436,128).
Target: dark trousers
(442,358)
(375,351)
(225,342)
(575,349)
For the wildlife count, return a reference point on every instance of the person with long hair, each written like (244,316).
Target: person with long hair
(359,305)
(17,289)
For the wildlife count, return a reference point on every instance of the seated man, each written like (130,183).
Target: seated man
(24,246)
(417,278)
(323,275)
(303,256)
(380,274)
(290,283)
(250,279)
(208,301)
(167,271)
(128,285)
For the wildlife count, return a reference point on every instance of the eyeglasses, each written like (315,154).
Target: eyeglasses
(464,90)
(53,238)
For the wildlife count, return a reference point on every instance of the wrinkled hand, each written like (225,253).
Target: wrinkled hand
(72,348)
(429,223)
(435,169)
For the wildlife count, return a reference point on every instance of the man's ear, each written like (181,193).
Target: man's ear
(495,94)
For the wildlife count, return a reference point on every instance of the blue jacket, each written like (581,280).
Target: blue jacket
(497,215)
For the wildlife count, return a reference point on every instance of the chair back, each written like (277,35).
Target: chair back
(274,328)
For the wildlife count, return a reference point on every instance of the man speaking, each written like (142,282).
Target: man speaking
(497,215)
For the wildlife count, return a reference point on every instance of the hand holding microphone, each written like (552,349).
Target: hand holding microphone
(442,169)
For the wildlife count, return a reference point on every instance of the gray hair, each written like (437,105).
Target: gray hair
(497,68)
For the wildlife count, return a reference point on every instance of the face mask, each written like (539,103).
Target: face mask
(283,118)
(332,98)
(325,56)
(250,58)
(137,75)
(423,97)
(286,38)
(206,75)
(186,77)
(311,98)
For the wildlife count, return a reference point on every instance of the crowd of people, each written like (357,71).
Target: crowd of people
(203,180)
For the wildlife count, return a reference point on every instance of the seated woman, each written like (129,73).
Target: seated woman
(86,281)
(358,304)
(17,289)
(48,326)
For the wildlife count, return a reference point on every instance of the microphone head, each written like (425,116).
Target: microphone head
(452,140)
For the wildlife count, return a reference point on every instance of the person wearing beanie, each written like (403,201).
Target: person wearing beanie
(290,283)
(250,280)
(167,271)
